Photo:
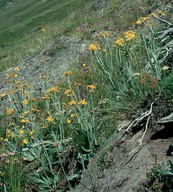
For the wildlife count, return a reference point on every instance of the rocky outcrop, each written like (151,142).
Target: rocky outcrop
(117,167)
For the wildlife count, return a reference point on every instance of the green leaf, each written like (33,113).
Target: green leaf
(164,172)
(37,180)
(71,177)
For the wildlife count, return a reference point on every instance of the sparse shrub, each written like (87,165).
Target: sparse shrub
(161,178)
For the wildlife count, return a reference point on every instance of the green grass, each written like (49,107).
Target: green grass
(25,21)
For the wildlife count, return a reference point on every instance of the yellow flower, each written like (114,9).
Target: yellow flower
(91,86)
(72,102)
(92,47)
(21,132)
(72,115)
(67,73)
(120,42)
(10,111)
(142,19)
(24,121)
(15,75)
(160,12)
(25,141)
(16,69)
(50,119)
(25,102)
(67,92)
(130,35)
(69,121)
(83,102)
(3,95)
(53,89)
(154,15)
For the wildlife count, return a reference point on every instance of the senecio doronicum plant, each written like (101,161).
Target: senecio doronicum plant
(39,127)
(48,133)
(130,63)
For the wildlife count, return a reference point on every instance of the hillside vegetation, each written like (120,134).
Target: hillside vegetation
(26,25)
(49,135)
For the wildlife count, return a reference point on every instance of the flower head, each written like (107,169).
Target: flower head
(83,102)
(52,89)
(24,121)
(160,12)
(120,42)
(3,95)
(91,88)
(21,132)
(92,47)
(16,69)
(130,35)
(25,102)
(10,111)
(68,92)
(142,19)
(72,102)
(72,115)
(67,73)
(50,119)
(25,141)
(69,121)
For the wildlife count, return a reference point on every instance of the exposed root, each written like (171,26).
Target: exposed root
(146,128)
(137,120)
